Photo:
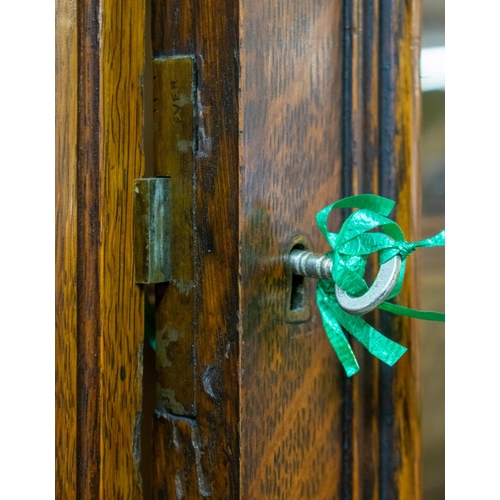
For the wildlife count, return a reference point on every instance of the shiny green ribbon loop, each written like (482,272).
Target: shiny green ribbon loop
(351,248)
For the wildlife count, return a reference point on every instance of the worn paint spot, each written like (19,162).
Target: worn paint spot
(136,448)
(184,288)
(204,136)
(175,437)
(184,100)
(136,451)
(184,146)
(208,380)
(140,362)
(179,484)
(167,400)
(166,336)
(203,487)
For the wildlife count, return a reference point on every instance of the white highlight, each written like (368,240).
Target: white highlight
(432,68)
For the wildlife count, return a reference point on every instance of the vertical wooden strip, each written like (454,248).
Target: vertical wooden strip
(291,104)
(387,188)
(409,479)
(352,170)
(121,305)
(370,85)
(217,209)
(399,136)
(366,382)
(66,257)
(177,451)
(172,27)
(88,279)
(109,313)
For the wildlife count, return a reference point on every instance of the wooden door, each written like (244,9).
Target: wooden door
(295,105)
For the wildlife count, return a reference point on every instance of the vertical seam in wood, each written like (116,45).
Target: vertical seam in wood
(386,138)
(346,482)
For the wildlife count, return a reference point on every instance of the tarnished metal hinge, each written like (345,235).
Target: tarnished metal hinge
(163,205)
(152,230)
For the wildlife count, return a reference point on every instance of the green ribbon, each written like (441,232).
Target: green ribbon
(351,248)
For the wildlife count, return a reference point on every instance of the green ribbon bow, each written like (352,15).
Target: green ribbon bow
(351,247)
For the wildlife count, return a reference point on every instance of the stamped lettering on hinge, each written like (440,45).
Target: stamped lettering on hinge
(175,101)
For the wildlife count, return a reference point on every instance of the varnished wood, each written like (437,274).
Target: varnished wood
(174,467)
(298,104)
(66,258)
(291,436)
(399,180)
(217,221)
(121,309)
(100,325)
(209,30)
(352,163)
(88,278)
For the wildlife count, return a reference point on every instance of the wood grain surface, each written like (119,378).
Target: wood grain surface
(209,31)
(99,352)
(66,258)
(291,408)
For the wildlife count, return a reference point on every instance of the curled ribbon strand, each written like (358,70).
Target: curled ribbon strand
(351,247)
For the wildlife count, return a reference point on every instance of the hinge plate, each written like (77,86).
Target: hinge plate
(152,230)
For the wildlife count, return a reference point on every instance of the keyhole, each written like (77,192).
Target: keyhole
(297,294)
(297,305)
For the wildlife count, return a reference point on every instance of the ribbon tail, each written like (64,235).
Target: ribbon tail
(377,344)
(335,334)
(438,240)
(412,313)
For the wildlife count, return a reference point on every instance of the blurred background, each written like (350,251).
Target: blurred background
(431,261)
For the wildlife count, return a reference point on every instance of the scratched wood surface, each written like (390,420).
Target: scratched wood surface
(100,335)
(209,31)
(66,155)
